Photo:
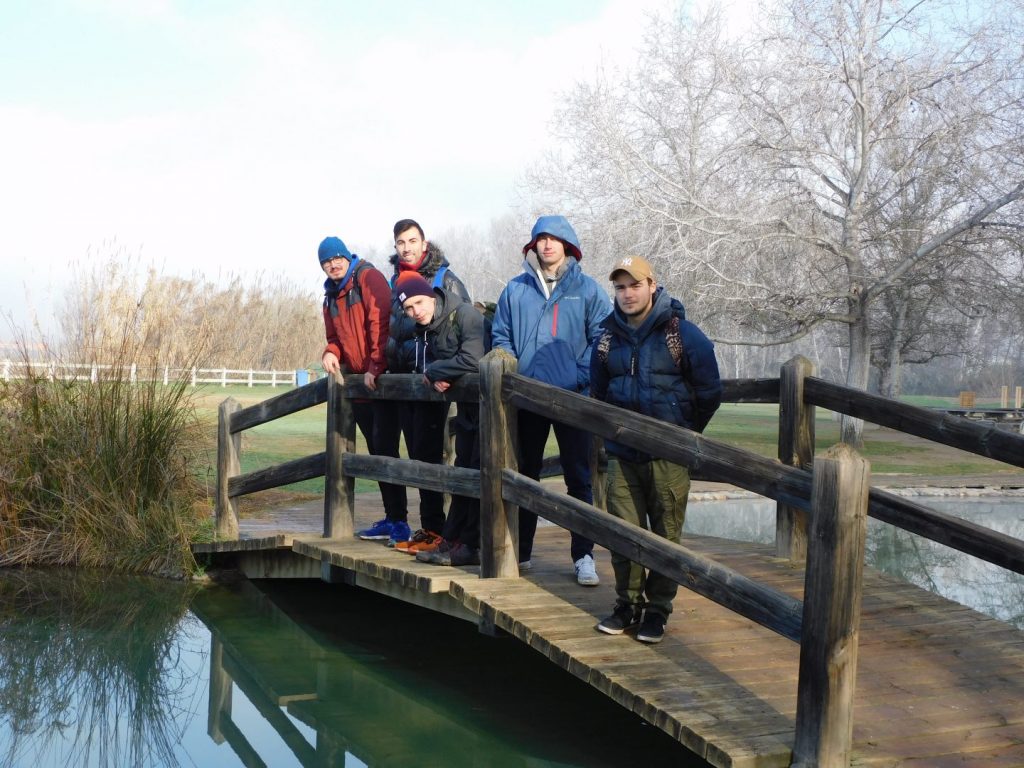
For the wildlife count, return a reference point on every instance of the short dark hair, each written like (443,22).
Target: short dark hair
(403,224)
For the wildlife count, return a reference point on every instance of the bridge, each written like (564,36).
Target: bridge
(786,655)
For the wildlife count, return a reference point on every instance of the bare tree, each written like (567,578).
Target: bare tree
(778,177)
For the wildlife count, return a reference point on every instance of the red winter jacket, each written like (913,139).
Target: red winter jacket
(357,319)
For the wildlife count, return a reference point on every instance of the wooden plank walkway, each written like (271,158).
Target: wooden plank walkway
(938,684)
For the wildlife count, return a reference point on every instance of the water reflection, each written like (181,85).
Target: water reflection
(134,672)
(922,562)
(91,676)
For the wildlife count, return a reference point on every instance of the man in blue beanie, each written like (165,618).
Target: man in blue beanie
(549,317)
(357,311)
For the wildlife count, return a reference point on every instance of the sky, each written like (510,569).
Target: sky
(230,136)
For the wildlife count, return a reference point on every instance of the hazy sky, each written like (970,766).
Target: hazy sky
(233,135)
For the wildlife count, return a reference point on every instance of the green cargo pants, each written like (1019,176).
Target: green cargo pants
(651,495)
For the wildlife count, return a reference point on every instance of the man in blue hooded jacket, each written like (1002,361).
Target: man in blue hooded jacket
(652,360)
(549,317)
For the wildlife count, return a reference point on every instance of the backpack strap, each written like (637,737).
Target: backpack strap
(439,277)
(604,343)
(355,293)
(674,342)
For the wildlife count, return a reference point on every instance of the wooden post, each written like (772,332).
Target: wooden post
(339,489)
(229,447)
(1004,396)
(499,520)
(796,449)
(833,587)
(219,702)
(597,475)
(1018,397)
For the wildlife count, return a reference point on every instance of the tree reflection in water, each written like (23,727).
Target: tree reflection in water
(985,587)
(90,676)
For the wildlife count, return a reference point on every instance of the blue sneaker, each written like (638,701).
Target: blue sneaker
(400,532)
(379,531)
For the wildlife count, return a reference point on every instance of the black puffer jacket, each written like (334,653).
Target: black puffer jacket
(401,352)
(454,341)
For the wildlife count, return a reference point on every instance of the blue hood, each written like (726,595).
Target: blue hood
(560,227)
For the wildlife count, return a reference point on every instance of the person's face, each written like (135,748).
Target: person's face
(633,297)
(410,246)
(550,252)
(335,268)
(420,309)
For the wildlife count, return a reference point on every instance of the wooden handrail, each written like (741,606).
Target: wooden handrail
(768,607)
(835,497)
(955,431)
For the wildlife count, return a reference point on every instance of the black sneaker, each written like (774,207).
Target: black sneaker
(652,628)
(463,554)
(624,617)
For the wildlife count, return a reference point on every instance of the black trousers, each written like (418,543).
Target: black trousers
(423,426)
(574,454)
(463,524)
(378,421)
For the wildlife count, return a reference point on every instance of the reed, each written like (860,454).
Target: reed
(103,474)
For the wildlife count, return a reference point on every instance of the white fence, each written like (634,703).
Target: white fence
(93,372)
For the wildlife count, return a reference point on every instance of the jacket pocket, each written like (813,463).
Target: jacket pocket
(555,364)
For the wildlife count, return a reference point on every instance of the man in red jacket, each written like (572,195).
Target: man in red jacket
(357,307)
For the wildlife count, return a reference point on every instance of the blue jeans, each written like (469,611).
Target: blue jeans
(574,454)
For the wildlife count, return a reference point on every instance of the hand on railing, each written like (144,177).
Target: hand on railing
(331,362)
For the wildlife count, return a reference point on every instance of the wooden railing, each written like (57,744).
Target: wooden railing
(823,501)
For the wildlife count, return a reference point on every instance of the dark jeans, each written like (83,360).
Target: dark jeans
(463,524)
(423,425)
(378,421)
(574,454)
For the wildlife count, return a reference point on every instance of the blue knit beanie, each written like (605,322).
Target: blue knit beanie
(331,248)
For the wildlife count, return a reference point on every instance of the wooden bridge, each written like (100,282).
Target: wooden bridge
(785,655)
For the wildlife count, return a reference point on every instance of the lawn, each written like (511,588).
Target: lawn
(746,425)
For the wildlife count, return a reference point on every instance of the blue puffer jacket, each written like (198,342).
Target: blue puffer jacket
(634,369)
(525,321)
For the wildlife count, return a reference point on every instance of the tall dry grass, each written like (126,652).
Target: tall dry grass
(256,321)
(104,474)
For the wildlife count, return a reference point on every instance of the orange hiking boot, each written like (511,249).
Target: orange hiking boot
(421,541)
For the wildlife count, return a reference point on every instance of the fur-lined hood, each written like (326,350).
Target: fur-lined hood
(432,261)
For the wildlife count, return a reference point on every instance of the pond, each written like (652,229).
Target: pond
(117,671)
(105,671)
(985,587)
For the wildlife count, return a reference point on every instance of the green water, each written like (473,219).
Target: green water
(115,671)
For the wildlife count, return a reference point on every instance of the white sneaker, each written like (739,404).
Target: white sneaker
(586,574)
(526,565)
